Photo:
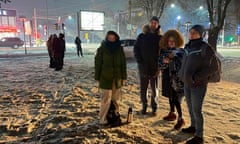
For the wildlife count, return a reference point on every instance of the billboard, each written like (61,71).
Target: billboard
(91,20)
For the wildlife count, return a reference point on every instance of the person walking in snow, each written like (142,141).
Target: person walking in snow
(146,52)
(110,72)
(170,61)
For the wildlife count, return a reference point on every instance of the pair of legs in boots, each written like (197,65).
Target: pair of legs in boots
(175,102)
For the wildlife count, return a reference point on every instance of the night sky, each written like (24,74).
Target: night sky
(64,7)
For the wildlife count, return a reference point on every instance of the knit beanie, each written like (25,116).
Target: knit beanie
(154,18)
(199,28)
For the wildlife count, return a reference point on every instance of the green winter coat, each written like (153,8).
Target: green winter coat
(110,67)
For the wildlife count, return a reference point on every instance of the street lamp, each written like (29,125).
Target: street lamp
(187,24)
(179,17)
(69,17)
(201,7)
(172,5)
(23,19)
(178,25)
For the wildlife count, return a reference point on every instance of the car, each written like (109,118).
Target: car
(128,45)
(13,42)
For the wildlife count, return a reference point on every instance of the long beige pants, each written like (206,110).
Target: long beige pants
(106,97)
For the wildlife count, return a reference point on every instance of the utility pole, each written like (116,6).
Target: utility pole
(130,17)
(35,23)
(47,19)
(78,24)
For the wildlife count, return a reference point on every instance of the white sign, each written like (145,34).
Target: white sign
(92,20)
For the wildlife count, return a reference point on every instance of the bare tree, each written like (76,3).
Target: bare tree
(217,10)
(5,1)
(151,7)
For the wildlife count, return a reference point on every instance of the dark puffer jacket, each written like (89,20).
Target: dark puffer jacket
(146,51)
(196,69)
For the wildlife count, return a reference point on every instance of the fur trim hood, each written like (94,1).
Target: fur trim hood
(146,29)
(179,39)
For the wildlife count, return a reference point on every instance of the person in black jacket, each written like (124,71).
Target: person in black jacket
(170,61)
(79,47)
(59,50)
(50,51)
(146,52)
(195,71)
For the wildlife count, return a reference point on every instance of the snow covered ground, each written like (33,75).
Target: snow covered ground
(39,105)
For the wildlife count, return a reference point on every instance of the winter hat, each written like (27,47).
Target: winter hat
(154,18)
(199,28)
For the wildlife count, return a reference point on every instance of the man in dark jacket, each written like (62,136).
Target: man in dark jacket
(59,50)
(79,47)
(195,72)
(146,52)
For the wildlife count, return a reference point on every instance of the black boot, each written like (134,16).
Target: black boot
(190,130)
(195,140)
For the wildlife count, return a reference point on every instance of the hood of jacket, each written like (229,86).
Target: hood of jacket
(146,29)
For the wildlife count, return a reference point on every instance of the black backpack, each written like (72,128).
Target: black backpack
(215,63)
(113,117)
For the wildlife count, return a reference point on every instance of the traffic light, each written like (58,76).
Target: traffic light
(55,26)
(63,26)
(45,29)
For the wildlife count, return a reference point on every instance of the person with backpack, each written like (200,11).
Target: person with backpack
(171,54)
(146,51)
(195,72)
(111,74)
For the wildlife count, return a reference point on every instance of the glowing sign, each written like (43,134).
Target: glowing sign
(6,12)
(91,20)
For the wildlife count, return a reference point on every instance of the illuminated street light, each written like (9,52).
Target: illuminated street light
(40,26)
(172,5)
(69,17)
(179,17)
(201,7)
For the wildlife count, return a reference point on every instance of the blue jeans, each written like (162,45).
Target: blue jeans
(194,98)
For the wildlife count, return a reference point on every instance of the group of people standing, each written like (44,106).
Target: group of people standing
(56,50)
(184,72)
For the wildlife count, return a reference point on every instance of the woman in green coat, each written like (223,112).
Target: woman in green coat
(110,72)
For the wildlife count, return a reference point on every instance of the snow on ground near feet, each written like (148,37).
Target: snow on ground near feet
(40,105)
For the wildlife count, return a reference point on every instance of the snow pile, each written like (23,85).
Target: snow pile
(40,105)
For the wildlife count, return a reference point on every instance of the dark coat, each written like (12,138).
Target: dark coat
(59,47)
(110,67)
(196,68)
(146,52)
(78,42)
(169,71)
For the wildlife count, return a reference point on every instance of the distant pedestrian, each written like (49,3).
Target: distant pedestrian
(170,61)
(111,73)
(50,51)
(146,52)
(79,47)
(195,72)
